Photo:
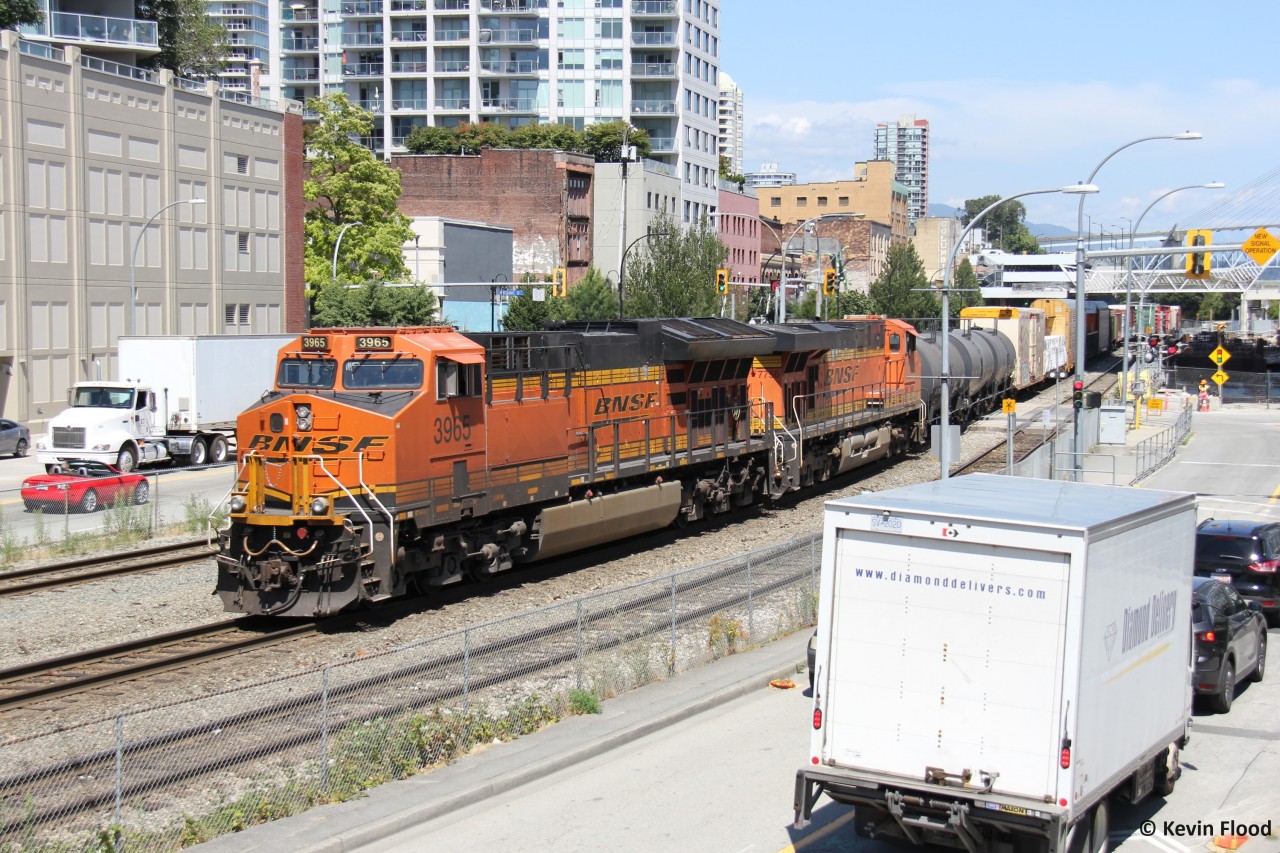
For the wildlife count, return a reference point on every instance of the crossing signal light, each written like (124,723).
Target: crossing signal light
(1153,341)
(829,281)
(722,282)
(1077,394)
(558,285)
(1198,262)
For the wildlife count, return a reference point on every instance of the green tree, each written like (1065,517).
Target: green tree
(373,304)
(726,172)
(603,141)
(560,137)
(965,292)
(14,13)
(1217,305)
(192,44)
(525,314)
(474,137)
(1004,226)
(349,185)
(673,273)
(851,302)
(900,290)
(593,298)
(432,140)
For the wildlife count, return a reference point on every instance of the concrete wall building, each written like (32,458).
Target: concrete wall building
(731,123)
(545,197)
(905,143)
(738,225)
(873,192)
(412,63)
(96,160)
(475,256)
(933,239)
(653,191)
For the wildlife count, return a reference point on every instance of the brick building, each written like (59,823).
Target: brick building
(545,197)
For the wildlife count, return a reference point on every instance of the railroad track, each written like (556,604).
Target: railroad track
(82,671)
(96,568)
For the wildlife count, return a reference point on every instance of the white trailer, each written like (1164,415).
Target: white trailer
(998,658)
(177,398)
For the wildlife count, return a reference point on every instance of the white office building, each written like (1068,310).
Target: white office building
(731,123)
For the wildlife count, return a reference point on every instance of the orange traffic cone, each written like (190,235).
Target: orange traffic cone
(1230,842)
(1204,402)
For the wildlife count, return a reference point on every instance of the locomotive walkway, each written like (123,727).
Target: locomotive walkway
(396,809)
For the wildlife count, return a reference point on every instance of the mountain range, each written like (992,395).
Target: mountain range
(1038,229)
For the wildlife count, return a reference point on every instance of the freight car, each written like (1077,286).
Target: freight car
(387,462)
(1101,334)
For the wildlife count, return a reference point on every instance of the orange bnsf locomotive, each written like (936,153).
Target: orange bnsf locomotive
(387,462)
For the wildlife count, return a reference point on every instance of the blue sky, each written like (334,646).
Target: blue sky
(1019,96)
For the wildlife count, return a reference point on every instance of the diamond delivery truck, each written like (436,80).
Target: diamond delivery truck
(999,659)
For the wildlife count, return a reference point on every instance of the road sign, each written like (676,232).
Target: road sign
(511,291)
(1009,407)
(1219,356)
(1220,377)
(1261,246)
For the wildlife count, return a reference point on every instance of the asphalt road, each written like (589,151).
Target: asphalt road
(723,780)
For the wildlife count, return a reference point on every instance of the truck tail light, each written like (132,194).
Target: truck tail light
(1065,760)
(1207,636)
(817,718)
(1265,566)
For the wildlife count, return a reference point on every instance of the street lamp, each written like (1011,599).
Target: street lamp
(133,262)
(493,300)
(622,265)
(334,273)
(1128,274)
(1077,444)
(944,414)
(782,289)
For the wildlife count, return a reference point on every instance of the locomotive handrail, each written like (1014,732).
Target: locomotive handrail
(391,519)
(244,463)
(367,520)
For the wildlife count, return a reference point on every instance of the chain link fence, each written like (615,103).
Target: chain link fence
(1239,388)
(172,776)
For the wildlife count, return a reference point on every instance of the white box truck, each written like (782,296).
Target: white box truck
(177,399)
(999,658)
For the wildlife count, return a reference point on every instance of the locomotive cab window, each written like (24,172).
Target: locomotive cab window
(895,343)
(456,380)
(395,373)
(307,373)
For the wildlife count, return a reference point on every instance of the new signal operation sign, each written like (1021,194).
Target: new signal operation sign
(1261,246)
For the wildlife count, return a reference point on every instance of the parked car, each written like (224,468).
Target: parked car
(1230,636)
(1245,554)
(83,486)
(14,437)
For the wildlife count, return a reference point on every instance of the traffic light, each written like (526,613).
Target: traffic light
(1198,262)
(829,281)
(722,282)
(558,285)
(1077,394)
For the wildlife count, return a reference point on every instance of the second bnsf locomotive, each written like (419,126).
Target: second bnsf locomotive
(387,462)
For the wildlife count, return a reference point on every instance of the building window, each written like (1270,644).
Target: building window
(844,201)
(802,201)
(775,202)
(242,164)
(242,242)
(822,201)
(236,318)
(609,28)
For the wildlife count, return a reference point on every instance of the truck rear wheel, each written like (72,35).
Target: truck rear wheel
(1168,769)
(199,452)
(127,458)
(218,450)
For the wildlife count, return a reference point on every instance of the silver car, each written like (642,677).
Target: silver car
(14,437)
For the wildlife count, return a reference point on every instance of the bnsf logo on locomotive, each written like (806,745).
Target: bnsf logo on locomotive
(322,444)
(841,375)
(634,403)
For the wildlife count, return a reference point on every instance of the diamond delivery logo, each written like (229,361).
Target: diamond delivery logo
(1109,638)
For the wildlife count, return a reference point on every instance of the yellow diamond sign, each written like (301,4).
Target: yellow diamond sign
(1219,356)
(1220,377)
(1261,246)
(1010,407)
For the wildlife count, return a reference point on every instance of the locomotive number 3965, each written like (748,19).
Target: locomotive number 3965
(456,428)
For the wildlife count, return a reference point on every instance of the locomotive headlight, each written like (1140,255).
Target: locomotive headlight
(303,414)
(237,503)
(319,506)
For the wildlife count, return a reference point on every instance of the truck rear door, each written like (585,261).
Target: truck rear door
(946,654)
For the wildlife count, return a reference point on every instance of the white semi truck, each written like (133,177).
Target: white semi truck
(999,659)
(177,399)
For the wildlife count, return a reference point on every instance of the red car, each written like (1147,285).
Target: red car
(83,486)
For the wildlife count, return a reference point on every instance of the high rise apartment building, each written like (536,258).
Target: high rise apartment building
(414,63)
(905,143)
(731,119)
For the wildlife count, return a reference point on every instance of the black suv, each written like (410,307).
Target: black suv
(1246,554)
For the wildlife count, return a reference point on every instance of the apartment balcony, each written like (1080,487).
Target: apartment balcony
(362,9)
(653,107)
(653,39)
(234,71)
(420,66)
(307,45)
(294,75)
(453,105)
(662,144)
(300,16)
(654,70)
(453,5)
(514,67)
(417,105)
(401,6)
(511,36)
(452,66)
(363,39)
(655,8)
(510,7)
(453,35)
(96,30)
(362,69)
(408,36)
(509,105)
